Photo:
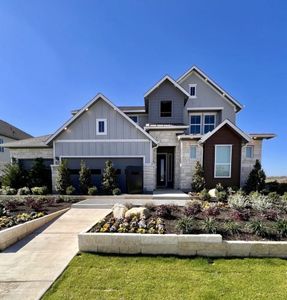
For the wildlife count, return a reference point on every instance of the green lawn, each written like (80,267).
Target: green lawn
(92,276)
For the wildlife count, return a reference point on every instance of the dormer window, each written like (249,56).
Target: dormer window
(192,90)
(165,109)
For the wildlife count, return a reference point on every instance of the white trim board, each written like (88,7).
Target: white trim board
(204,108)
(104,141)
(86,107)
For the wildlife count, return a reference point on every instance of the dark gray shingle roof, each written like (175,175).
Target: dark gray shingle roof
(12,132)
(36,142)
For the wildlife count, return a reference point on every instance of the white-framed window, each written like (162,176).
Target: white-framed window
(193,152)
(208,122)
(101,126)
(192,90)
(249,151)
(195,124)
(1,148)
(222,161)
(134,118)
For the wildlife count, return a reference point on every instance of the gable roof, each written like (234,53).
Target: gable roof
(86,107)
(12,132)
(35,142)
(225,122)
(209,81)
(167,77)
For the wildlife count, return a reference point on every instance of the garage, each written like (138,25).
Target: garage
(128,170)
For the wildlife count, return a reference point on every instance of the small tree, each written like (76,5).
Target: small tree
(63,178)
(14,175)
(85,178)
(256,178)
(109,182)
(198,181)
(39,174)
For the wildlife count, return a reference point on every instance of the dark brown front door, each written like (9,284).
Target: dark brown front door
(165,167)
(161,170)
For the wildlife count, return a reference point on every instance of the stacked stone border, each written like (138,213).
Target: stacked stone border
(210,245)
(13,234)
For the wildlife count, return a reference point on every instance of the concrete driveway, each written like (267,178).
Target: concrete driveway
(29,267)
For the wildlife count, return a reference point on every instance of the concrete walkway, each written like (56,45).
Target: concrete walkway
(28,268)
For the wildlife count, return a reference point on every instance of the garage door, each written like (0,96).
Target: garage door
(96,165)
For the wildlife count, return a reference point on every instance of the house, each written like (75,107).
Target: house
(9,133)
(182,121)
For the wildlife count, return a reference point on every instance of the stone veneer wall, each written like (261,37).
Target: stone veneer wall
(248,163)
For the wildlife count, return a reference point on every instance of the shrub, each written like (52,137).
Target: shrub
(212,211)
(14,175)
(35,204)
(70,190)
(209,225)
(85,178)
(274,197)
(116,191)
(256,178)
(63,178)
(204,195)
(92,190)
(40,190)
(39,174)
(198,181)
(284,197)
(24,191)
(193,207)
(271,214)
(220,193)
(166,211)
(186,225)
(259,201)
(109,182)
(237,201)
(10,205)
(281,226)
(231,227)
(257,227)
(7,190)
(241,215)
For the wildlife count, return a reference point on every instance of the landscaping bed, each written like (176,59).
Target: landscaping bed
(16,210)
(251,217)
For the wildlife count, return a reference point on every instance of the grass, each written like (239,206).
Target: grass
(91,276)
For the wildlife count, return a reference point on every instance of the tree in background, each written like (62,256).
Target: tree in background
(85,178)
(39,174)
(63,178)
(256,178)
(14,175)
(109,182)
(198,181)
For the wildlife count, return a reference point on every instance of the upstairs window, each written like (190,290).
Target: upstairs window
(192,90)
(249,151)
(195,124)
(101,127)
(222,163)
(209,123)
(1,148)
(134,118)
(165,109)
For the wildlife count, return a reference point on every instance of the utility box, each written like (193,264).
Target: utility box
(134,179)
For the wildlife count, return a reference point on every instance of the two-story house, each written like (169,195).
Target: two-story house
(182,121)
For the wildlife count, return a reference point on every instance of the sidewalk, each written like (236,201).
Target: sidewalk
(29,267)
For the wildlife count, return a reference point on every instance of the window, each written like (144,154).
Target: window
(195,124)
(101,126)
(249,150)
(1,148)
(134,118)
(193,151)
(223,155)
(192,90)
(209,123)
(165,108)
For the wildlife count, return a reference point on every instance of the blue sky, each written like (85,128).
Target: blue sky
(56,55)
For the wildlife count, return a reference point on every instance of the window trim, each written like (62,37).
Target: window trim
(203,121)
(190,151)
(195,114)
(230,160)
(195,90)
(252,152)
(97,126)
(160,113)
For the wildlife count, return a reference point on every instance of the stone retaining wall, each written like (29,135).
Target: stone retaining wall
(210,245)
(13,234)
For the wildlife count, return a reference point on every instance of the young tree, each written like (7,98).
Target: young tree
(39,174)
(109,182)
(256,178)
(63,178)
(85,178)
(14,175)
(198,181)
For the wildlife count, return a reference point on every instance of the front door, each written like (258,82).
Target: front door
(161,170)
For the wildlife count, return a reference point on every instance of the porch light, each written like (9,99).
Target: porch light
(87,109)
(65,128)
